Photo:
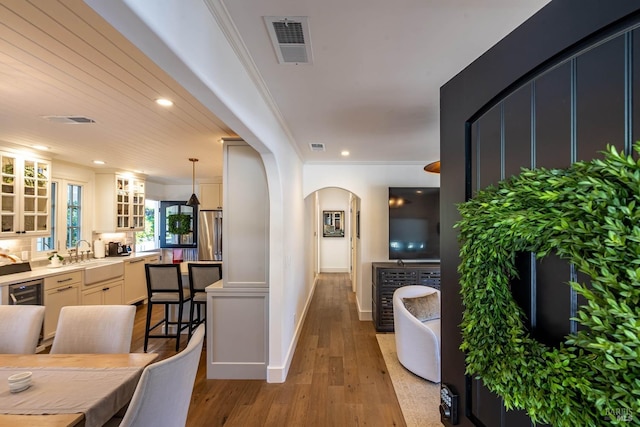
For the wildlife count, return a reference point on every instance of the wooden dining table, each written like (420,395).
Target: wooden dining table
(78,366)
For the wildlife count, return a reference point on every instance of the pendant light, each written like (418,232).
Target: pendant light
(193,200)
(433,167)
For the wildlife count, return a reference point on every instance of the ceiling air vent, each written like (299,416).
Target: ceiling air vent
(316,146)
(69,120)
(290,38)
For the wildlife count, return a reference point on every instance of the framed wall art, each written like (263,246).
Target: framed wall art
(332,223)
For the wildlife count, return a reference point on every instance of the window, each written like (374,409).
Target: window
(148,239)
(66,219)
(74,215)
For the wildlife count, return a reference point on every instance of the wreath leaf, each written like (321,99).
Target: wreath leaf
(586,214)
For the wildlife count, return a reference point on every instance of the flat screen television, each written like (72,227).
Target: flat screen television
(414,223)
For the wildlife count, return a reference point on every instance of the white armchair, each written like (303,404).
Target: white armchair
(417,342)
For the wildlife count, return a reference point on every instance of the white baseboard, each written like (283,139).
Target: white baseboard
(334,270)
(363,315)
(278,374)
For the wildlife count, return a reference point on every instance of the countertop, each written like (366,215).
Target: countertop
(45,271)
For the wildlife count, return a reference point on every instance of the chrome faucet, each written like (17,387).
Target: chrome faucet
(78,246)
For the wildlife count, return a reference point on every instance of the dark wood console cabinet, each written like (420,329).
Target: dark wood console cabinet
(389,276)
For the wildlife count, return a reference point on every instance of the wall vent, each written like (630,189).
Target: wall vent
(69,120)
(316,146)
(290,38)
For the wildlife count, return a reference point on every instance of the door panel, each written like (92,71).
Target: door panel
(556,90)
(553,301)
(566,112)
(489,153)
(600,95)
(517,131)
(635,85)
(486,407)
(553,118)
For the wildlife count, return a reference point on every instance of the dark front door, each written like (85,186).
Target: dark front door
(554,92)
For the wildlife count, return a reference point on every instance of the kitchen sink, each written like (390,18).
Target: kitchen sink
(99,270)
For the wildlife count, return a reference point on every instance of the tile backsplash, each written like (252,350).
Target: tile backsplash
(22,248)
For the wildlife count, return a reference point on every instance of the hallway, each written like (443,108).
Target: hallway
(337,377)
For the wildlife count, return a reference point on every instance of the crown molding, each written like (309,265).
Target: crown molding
(227,26)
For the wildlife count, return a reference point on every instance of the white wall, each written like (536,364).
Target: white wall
(245,227)
(155,191)
(370,183)
(186,39)
(334,251)
(189,40)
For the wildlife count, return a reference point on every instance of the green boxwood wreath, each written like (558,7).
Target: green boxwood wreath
(588,214)
(179,223)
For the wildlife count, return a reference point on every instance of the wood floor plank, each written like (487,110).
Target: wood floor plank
(336,371)
(337,376)
(319,399)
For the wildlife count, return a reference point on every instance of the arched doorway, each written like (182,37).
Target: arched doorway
(335,228)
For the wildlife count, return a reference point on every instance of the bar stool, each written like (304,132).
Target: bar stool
(200,276)
(164,287)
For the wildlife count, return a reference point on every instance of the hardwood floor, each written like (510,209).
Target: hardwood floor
(337,377)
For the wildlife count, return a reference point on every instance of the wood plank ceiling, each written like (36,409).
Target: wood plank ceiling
(59,58)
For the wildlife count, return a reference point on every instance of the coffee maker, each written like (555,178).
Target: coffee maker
(115,249)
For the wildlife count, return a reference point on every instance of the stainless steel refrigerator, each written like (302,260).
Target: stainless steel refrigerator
(210,235)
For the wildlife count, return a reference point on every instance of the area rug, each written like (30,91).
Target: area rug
(419,398)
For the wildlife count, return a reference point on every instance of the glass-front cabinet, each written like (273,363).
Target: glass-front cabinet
(119,203)
(25,196)
(129,203)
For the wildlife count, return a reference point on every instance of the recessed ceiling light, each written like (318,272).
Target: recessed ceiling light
(164,102)
(344,153)
(98,162)
(40,147)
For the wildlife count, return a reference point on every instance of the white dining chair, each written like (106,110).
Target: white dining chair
(20,327)
(163,394)
(94,329)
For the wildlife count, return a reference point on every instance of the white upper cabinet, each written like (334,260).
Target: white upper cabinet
(26,199)
(119,203)
(210,196)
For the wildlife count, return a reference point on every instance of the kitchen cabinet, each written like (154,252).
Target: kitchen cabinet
(210,196)
(25,195)
(108,292)
(152,259)
(59,291)
(135,280)
(135,284)
(119,203)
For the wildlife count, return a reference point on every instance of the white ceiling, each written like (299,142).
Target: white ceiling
(373,87)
